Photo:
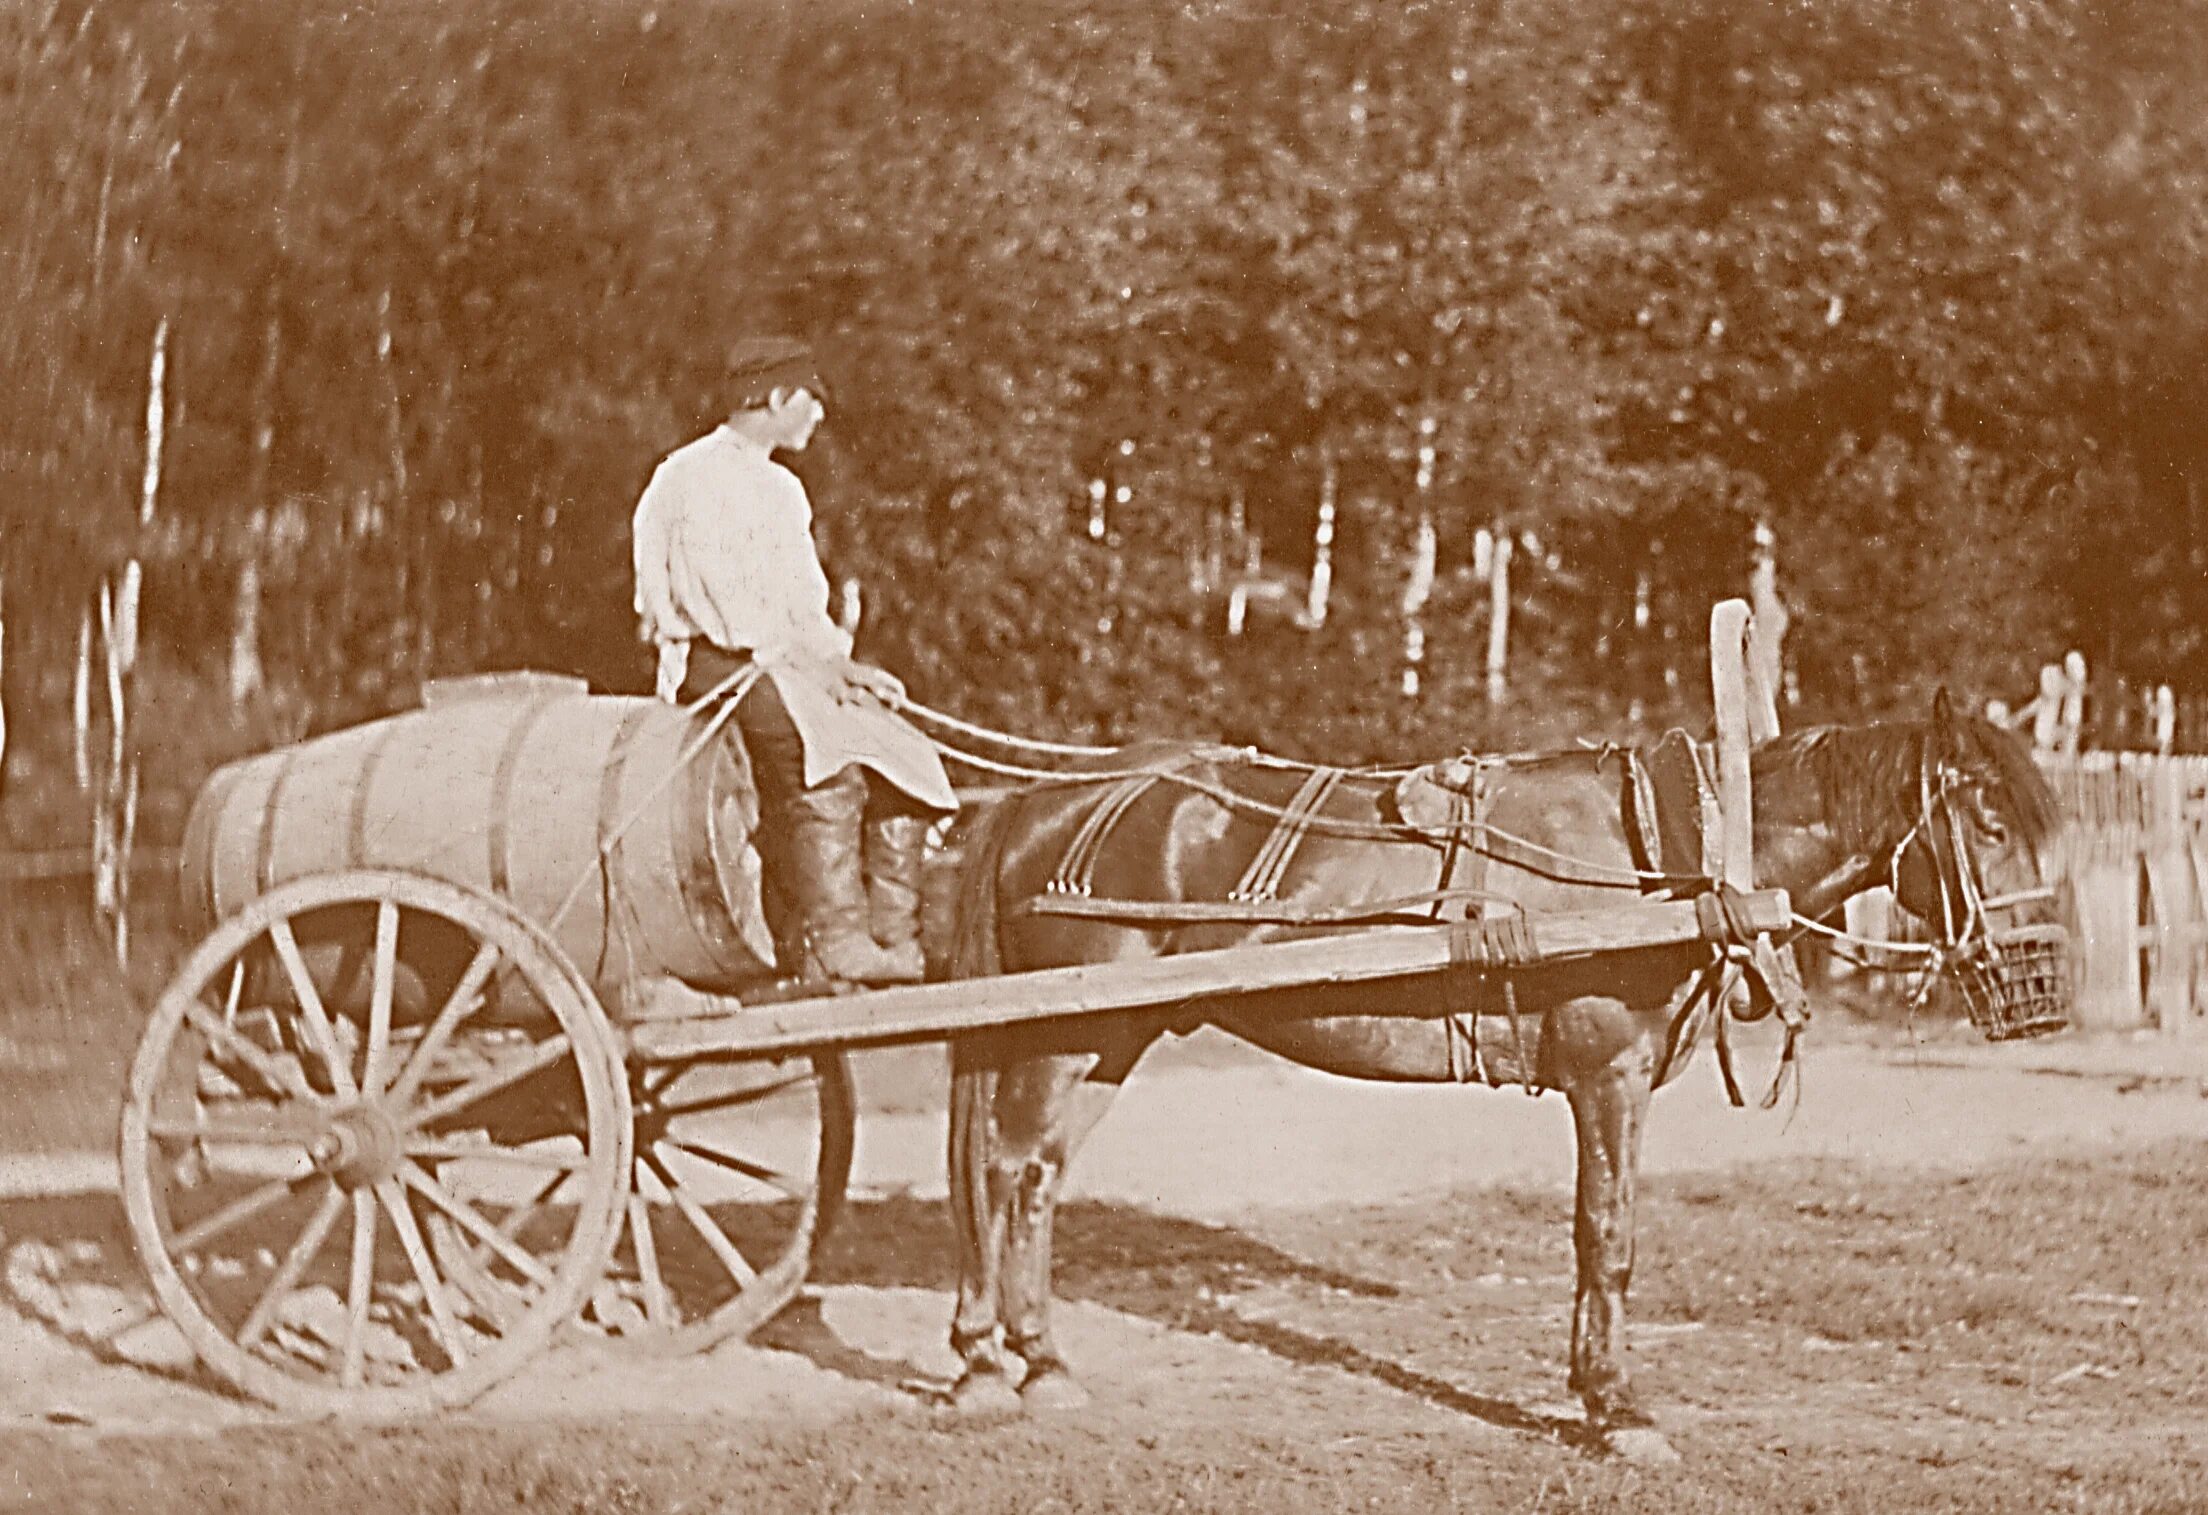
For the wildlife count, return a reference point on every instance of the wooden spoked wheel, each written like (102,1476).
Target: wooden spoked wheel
(355,1065)
(738,1170)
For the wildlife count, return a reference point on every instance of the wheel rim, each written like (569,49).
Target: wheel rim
(737,1172)
(305,1120)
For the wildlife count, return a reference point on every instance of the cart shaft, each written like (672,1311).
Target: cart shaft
(931,1011)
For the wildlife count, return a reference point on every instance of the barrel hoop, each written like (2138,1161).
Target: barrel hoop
(264,865)
(610,820)
(197,866)
(500,831)
(356,822)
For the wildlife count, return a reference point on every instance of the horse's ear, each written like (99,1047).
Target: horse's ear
(1946,730)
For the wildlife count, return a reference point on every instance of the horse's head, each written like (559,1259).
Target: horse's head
(1973,866)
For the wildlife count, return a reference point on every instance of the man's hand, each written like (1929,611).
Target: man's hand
(878,682)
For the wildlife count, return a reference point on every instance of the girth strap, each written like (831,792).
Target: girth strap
(1468,838)
(1261,880)
(1483,948)
(1075,874)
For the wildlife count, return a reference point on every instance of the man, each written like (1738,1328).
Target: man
(727,575)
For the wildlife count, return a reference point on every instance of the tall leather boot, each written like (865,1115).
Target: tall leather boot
(826,881)
(896,847)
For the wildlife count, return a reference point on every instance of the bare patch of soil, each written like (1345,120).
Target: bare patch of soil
(1934,1287)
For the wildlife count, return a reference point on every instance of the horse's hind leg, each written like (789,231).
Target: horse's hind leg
(1031,1171)
(1045,1108)
(1610,1099)
(978,1219)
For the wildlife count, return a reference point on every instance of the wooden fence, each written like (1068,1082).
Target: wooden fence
(2134,859)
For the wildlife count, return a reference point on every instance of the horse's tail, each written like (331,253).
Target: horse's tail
(973,1117)
(975,953)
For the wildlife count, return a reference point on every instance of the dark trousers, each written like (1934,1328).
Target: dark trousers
(843,857)
(771,739)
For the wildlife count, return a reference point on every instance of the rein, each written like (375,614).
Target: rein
(1505,846)
(1714,988)
(1406,909)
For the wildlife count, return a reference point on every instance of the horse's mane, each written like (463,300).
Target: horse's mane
(1867,775)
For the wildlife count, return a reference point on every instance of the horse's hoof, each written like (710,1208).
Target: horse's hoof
(1642,1446)
(985,1396)
(1053,1389)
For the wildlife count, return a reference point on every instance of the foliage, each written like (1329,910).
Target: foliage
(1924,288)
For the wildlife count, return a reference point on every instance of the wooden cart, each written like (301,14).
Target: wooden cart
(385,1136)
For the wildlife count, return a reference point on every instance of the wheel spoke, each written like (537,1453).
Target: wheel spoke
(269,1134)
(456,1005)
(475,1225)
(379,998)
(659,1305)
(280,1077)
(446,1149)
(516,1219)
(707,1104)
(294,1263)
(491,1295)
(239,1210)
(236,992)
(311,1014)
(702,1222)
(758,1173)
(543,1056)
(352,1369)
(417,1258)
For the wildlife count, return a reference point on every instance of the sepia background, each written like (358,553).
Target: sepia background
(1362,380)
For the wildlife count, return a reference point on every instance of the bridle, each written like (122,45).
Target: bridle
(2013,978)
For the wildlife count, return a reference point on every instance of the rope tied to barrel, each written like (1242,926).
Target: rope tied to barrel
(724,696)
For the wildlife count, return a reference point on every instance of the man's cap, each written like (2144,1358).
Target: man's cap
(758,366)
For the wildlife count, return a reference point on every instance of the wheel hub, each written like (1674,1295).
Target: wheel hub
(360,1147)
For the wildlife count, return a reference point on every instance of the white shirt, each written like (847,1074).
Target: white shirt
(723,549)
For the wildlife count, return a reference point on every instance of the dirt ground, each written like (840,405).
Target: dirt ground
(1287,1290)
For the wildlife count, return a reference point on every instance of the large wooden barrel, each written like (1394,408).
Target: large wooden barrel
(615,823)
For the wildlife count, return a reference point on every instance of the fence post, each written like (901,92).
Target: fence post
(2172,904)
(2100,857)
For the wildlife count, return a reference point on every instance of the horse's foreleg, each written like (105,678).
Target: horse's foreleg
(1609,1107)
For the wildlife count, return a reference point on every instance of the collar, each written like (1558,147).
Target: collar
(728,436)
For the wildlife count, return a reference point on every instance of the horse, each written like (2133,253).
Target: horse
(1949,812)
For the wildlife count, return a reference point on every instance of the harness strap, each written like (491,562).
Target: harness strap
(1261,880)
(1471,831)
(1642,786)
(1075,872)
(1452,851)
(1728,974)
(1402,909)
(1493,943)
(1462,992)
(1482,949)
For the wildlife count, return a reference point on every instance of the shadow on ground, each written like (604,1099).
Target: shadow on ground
(73,1253)
(1178,1273)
